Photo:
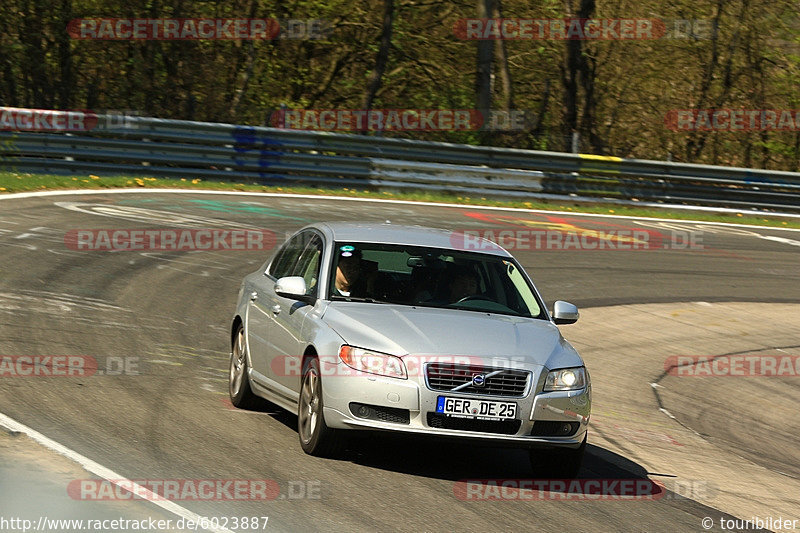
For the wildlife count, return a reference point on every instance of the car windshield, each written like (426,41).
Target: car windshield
(431,277)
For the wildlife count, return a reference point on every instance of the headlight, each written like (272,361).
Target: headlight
(565,379)
(373,362)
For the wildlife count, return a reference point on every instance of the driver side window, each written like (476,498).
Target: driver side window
(287,256)
(308,265)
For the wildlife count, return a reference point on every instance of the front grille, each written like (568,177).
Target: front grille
(502,427)
(447,376)
(380,413)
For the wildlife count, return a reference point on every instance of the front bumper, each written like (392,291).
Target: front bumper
(413,396)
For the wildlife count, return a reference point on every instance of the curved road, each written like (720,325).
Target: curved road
(168,312)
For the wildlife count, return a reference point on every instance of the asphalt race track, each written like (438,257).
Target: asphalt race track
(169,313)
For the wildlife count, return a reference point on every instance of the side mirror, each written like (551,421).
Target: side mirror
(565,313)
(293,287)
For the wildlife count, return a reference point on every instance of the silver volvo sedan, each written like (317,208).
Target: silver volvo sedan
(408,329)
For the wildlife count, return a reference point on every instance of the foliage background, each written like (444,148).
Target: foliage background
(387,54)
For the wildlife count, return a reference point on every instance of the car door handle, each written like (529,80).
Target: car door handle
(253,296)
(276,309)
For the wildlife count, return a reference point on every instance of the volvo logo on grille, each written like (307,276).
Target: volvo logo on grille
(479,380)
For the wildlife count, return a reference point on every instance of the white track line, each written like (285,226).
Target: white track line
(781,239)
(103,472)
(408,202)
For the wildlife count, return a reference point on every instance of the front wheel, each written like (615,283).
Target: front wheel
(558,463)
(316,438)
(238,381)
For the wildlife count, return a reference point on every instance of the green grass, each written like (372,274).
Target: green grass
(18,182)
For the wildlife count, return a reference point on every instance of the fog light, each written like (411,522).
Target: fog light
(546,428)
(380,413)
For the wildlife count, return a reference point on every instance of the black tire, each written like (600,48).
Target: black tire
(316,438)
(557,463)
(238,379)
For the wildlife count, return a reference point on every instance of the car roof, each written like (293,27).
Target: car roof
(409,235)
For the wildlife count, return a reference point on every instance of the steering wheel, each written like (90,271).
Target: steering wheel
(474,297)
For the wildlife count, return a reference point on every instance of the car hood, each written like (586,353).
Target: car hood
(402,330)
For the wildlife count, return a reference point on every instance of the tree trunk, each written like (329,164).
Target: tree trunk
(376,77)
(483,76)
(66,85)
(41,90)
(578,73)
(501,56)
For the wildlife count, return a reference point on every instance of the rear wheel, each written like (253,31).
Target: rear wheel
(558,463)
(238,381)
(316,438)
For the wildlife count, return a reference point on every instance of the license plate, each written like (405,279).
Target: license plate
(471,408)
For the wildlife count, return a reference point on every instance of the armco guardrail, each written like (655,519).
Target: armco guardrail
(177,148)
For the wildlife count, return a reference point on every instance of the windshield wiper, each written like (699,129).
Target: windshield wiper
(337,298)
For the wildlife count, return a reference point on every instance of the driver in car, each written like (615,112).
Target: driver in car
(462,285)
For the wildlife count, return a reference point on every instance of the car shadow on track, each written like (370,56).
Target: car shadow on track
(458,461)
(453,460)
(461,462)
